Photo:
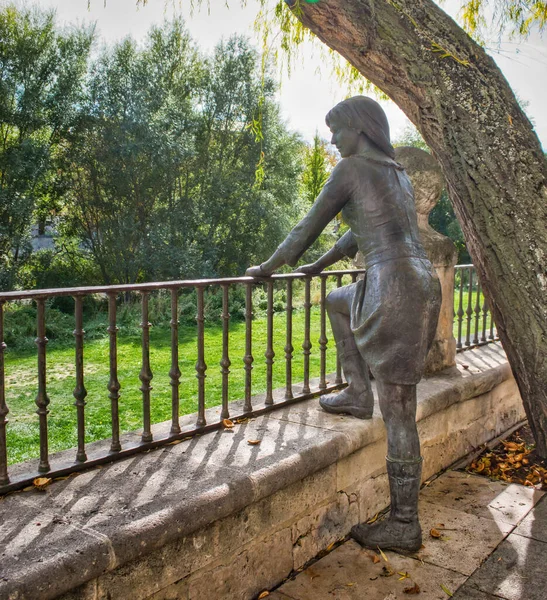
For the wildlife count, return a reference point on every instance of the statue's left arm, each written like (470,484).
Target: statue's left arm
(329,203)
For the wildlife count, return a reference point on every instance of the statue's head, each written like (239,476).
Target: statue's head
(362,116)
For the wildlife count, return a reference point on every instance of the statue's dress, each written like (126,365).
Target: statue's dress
(394,310)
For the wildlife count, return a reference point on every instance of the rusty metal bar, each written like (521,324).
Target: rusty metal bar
(4,410)
(174,371)
(306,346)
(323,341)
(146,374)
(248,358)
(225,362)
(484,318)
(201,366)
(148,287)
(288,344)
(460,312)
(469,310)
(477,314)
(338,380)
(79,392)
(42,400)
(113,383)
(269,354)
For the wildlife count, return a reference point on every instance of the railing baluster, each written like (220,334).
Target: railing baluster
(484,318)
(113,383)
(4,477)
(460,312)
(338,379)
(174,372)
(491,336)
(306,346)
(225,362)
(79,392)
(288,344)
(353,276)
(201,366)
(477,313)
(42,400)
(269,354)
(469,310)
(323,341)
(248,358)
(146,372)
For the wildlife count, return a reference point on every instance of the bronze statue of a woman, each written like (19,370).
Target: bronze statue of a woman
(385,322)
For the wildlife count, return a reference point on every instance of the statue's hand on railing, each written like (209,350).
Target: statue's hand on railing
(311,269)
(257,271)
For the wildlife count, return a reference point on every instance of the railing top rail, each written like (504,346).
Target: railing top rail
(155,285)
(464,266)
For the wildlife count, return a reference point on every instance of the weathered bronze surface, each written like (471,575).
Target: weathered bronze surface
(385,322)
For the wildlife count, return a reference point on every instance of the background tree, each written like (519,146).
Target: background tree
(41,74)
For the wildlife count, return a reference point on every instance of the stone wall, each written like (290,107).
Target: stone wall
(217,518)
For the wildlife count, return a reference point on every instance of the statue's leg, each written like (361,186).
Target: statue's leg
(357,398)
(401,530)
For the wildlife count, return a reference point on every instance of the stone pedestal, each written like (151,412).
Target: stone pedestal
(428,184)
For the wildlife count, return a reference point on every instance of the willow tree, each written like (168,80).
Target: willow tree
(491,158)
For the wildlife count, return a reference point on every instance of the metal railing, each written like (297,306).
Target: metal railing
(117,449)
(473,322)
(473,326)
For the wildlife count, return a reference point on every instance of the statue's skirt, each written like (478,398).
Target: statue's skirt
(394,316)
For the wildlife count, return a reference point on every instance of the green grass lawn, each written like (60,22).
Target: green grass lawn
(21,375)
(21,379)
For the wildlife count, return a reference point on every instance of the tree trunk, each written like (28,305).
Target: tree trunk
(490,156)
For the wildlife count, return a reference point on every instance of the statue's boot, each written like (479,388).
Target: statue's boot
(400,531)
(357,398)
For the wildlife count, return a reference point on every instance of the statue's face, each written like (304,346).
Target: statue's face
(346,140)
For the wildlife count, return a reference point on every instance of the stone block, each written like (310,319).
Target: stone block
(361,465)
(535,524)
(259,566)
(348,573)
(460,547)
(372,494)
(515,571)
(324,526)
(495,500)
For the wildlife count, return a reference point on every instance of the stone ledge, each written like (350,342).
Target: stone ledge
(95,532)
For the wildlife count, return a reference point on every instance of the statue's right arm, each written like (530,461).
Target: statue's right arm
(329,203)
(346,246)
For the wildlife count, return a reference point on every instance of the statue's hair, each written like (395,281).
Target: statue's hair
(366,116)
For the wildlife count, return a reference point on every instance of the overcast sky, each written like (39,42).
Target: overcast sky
(307,95)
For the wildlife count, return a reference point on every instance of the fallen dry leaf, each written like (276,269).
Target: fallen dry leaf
(415,589)
(434,533)
(253,442)
(41,483)
(374,518)
(446,590)
(330,546)
(263,595)
(227,423)
(403,575)
(383,555)
(387,571)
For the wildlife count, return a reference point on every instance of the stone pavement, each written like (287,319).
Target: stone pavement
(492,544)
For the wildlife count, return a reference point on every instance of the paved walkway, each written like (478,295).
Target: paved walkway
(492,544)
